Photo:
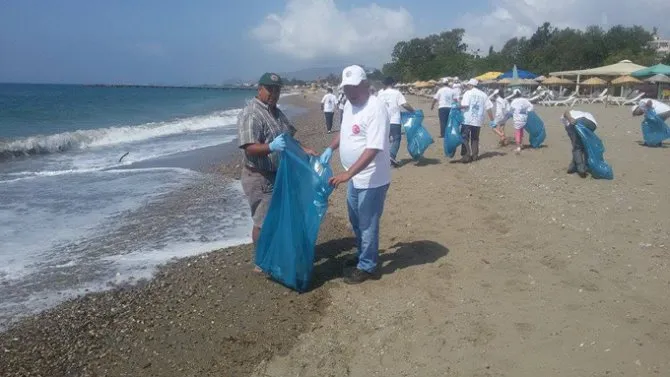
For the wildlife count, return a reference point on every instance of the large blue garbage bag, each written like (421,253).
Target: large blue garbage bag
(535,129)
(654,129)
(452,136)
(418,138)
(285,249)
(594,153)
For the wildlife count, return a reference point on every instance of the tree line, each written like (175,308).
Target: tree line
(549,49)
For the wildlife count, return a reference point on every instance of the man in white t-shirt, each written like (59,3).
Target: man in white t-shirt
(661,109)
(364,152)
(475,104)
(395,102)
(328,103)
(569,119)
(444,98)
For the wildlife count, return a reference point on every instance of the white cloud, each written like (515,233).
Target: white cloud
(516,18)
(314,29)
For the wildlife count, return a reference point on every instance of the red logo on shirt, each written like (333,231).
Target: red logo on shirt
(356,129)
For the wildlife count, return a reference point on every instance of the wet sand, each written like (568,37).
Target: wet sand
(504,267)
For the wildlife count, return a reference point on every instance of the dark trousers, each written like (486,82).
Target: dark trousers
(443,114)
(329,120)
(578,163)
(470,147)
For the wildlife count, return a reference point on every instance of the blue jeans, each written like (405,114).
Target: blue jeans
(443,115)
(395,135)
(365,208)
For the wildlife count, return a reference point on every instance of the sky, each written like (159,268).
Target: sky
(208,41)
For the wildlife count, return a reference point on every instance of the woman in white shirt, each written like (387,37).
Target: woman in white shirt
(519,109)
(499,120)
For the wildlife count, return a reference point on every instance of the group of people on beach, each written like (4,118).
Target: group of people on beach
(369,138)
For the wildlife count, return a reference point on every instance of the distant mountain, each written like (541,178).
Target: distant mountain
(310,74)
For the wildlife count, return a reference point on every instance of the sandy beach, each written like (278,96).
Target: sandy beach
(503,267)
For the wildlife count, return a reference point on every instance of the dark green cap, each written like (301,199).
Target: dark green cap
(270,79)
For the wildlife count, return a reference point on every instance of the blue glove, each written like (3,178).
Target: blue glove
(492,124)
(326,155)
(278,144)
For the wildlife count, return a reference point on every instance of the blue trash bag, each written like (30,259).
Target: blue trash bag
(285,249)
(654,129)
(535,129)
(418,138)
(452,135)
(594,153)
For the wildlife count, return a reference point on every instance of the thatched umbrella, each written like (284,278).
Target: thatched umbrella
(557,81)
(626,80)
(504,81)
(594,81)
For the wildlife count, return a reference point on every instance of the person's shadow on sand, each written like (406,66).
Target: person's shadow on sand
(331,255)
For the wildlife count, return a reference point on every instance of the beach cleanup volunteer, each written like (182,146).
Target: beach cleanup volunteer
(444,97)
(519,109)
(328,103)
(500,117)
(364,152)
(569,120)
(475,103)
(394,101)
(260,129)
(661,109)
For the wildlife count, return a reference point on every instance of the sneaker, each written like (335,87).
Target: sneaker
(357,276)
(351,261)
(394,163)
(330,132)
(518,150)
(466,159)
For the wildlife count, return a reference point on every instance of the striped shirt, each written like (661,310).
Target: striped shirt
(257,125)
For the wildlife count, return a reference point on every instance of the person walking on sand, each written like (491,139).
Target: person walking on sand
(394,101)
(364,152)
(569,119)
(519,109)
(661,109)
(328,103)
(444,97)
(260,129)
(341,100)
(476,104)
(502,108)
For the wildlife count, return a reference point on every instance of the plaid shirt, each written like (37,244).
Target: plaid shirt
(256,124)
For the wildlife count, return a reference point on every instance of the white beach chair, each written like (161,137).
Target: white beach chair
(632,101)
(601,97)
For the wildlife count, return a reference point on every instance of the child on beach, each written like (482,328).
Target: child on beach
(569,120)
(519,109)
(502,108)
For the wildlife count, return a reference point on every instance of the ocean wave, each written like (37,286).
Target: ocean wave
(102,137)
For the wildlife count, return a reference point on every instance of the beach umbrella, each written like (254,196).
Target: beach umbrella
(557,81)
(626,80)
(520,74)
(488,76)
(594,81)
(658,69)
(505,81)
(659,79)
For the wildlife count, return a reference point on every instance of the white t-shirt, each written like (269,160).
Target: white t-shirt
(502,108)
(477,103)
(575,114)
(445,96)
(393,99)
(658,106)
(329,101)
(520,109)
(366,127)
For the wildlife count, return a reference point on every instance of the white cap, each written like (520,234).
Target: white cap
(456,79)
(353,75)
(473,82)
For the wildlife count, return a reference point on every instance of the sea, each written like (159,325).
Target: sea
(100,185)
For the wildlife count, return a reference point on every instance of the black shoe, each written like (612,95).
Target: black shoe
(394,163)
(583,174)
(572,170)
(351,261)
(357,276)
(466,159)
